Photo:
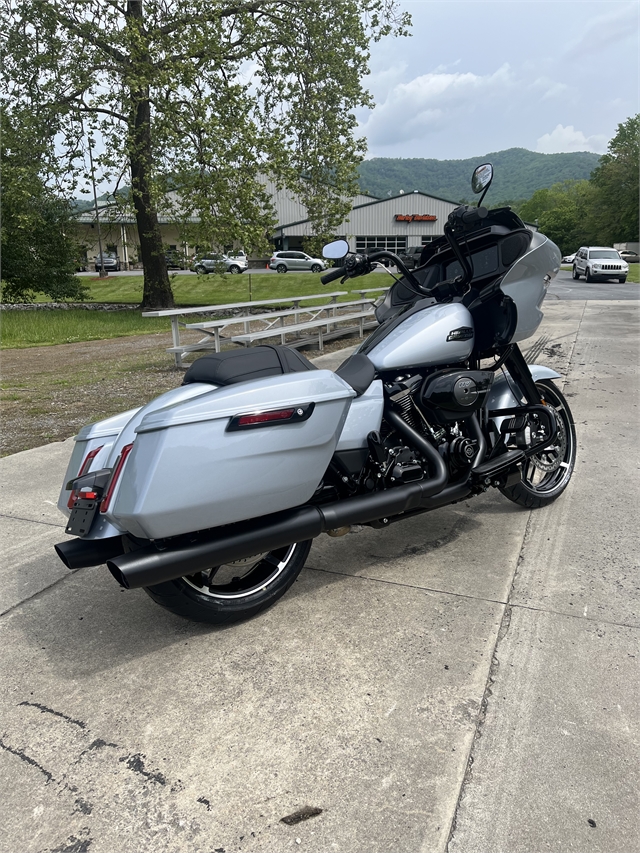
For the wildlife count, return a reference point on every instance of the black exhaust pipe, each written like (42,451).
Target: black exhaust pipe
(81,553)
(149,566)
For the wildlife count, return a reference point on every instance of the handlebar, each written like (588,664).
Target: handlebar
(474,214)
(333,275)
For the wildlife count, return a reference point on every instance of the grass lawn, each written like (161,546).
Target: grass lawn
(191,290)
(43,328)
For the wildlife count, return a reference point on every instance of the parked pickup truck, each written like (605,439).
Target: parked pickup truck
(411,257)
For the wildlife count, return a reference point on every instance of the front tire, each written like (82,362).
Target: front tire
(623,279)
(588,276)
(234,591)
(234,270)
(316,268)
(546,475)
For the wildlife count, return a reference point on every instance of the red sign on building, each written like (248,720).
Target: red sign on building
(415,217)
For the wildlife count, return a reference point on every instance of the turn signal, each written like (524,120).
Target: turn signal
(88,459)
(126,450)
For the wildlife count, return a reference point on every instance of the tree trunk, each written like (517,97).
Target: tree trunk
(157,291)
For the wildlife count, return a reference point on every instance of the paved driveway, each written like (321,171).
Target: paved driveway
(466,680)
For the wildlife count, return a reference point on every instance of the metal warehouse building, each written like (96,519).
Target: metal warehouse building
(394,223)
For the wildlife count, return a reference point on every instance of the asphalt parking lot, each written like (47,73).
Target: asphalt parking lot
(465,681)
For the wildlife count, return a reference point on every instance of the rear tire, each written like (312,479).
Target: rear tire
(234,270)
(546,475)
(281,268)
(235,591)
(575,275)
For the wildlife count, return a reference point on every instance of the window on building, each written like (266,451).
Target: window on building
(426,239)
(391,244)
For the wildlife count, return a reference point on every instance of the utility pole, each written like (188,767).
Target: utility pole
(103,273)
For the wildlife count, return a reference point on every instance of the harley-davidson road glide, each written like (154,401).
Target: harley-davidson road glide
(209,497)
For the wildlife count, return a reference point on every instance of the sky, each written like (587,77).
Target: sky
(478,76)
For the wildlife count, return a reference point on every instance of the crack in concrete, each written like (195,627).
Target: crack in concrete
(32,520)
(511,604)
(505,624)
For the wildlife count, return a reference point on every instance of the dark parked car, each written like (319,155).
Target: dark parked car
(629,256)
(411,257)
(109,261)
(175,261)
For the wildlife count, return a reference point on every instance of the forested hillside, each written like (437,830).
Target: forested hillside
(518,173)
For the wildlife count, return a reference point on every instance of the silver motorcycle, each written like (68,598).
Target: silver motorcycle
(209,497)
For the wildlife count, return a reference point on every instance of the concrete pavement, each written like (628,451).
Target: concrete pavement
(466,680)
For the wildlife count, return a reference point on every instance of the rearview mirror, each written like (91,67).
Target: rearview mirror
(481,178)
(336,250)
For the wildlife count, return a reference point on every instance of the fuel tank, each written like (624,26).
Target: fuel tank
(439,334)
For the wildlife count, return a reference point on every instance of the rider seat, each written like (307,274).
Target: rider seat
(227,368)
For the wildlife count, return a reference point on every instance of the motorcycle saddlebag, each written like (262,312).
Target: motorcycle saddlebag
(192,467)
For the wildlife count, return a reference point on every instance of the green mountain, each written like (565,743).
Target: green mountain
(518,173)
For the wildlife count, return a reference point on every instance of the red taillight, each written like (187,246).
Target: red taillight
(265,417)
(88,459)
(291,415)
(126,450)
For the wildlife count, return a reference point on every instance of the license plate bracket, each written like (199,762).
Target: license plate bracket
(81,518)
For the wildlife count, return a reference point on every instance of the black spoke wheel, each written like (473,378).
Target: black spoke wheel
(233,591)
(546,475)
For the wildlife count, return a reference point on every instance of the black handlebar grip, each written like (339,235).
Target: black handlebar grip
(475,214)
(333,275)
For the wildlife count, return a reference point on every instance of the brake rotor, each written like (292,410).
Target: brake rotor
(550,460)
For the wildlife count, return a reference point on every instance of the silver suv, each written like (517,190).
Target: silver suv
(295,261)
(213,262)
(599,263)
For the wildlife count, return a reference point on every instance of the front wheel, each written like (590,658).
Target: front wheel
(233,591)
(546,475)
(588,275)
(316,268)
(623,279)
(234,270)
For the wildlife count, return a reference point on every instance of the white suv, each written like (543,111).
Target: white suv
(295,261)
(598,263)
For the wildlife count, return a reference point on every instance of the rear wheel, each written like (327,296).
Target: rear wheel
(233,591)
(281,268)
(234,270)
(575,274)
(546,475)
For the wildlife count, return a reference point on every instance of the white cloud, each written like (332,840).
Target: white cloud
(565,139)
(604,30)
(549,88)
(430,103)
